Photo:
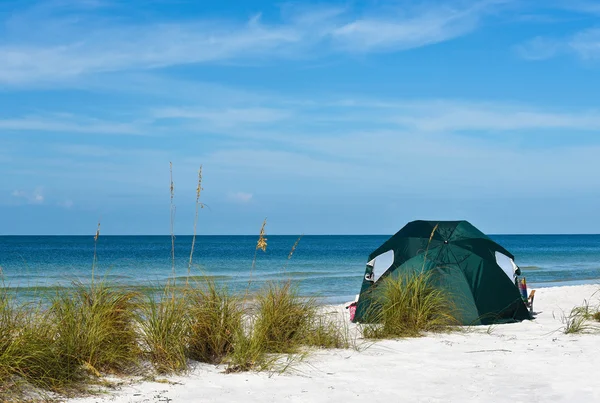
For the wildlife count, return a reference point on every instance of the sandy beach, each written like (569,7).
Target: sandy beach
(532,361)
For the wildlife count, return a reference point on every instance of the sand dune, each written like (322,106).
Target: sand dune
(531,361)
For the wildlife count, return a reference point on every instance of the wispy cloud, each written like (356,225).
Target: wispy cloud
(67,123)
(279,119)
(240,197)
(580,6)
(399,32)
(453,116)
(33,197)
(70,47)
(540,48)
(450,115)
(66,203)
(225,117)
(585,45)
(327,146)
(372,160)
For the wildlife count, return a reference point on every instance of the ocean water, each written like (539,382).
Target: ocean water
(329,267)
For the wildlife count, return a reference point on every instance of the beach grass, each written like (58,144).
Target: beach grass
(70,339)
(581,319)
(95,328)
(9,356)
(248,353)
(409,305)
(329,331)
(283,318)
(164,322)
(29,357)
(575,322)
(281,327)
(216,318)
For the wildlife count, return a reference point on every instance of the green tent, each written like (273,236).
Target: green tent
(477,272)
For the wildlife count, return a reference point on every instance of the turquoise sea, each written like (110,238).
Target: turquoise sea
(330,267)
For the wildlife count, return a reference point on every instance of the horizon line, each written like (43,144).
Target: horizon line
(295,235)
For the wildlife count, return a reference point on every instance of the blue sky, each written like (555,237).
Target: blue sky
(326,117)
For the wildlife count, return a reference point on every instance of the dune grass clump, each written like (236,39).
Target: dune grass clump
(248,353)
(9,330)
(408,306)
(165,328)
(28,353)
(328,332)
(576,321)
(280,323)
(96,328)
(216,321)
(579,318)
(279,329)
(283,318)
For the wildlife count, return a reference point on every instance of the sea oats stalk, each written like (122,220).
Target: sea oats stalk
(172,211)
(292,252)
(260,244)
(262,240)
(428,244)
(198,206)
(95,258)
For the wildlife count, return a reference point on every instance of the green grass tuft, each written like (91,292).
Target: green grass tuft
(165,326)
(216,321)
(283,319)
(248,354)
(408,306)
(95,328)
(28,353)
(578,320)
(327,331)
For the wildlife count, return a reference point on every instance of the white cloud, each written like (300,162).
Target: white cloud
(581,6)
(67,124)
(34,197)
(265,121)
(450,115)
(365,155)
(325,141)
(66,204)
(225,116)
(539,48)
(371,161)
(453,116)
(398,32)
(77,46)
(147,47)
(240,197)
(585,45)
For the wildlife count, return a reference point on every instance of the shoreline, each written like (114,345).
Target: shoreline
(519,362)
(39,289)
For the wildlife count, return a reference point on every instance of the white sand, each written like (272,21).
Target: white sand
(532,361)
